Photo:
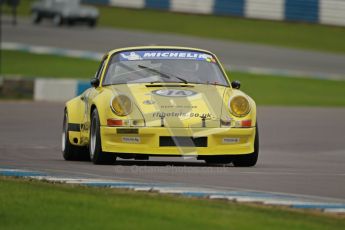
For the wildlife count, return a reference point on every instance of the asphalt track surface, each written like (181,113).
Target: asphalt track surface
(232,54)
(302,151)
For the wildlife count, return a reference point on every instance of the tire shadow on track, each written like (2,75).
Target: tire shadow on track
(168,163)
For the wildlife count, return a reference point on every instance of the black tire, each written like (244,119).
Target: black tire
(97,156)
(72,152)
(70,22)
(92,23)
(249,160)
(36,17)
(58,20)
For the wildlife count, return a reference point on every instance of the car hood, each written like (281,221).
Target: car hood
(175,105)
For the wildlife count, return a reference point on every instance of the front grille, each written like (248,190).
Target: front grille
(183,141)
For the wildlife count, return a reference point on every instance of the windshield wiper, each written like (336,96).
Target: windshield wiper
(162,74)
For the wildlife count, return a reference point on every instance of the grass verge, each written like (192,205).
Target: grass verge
(38,205)
(295,35)
(291,91)
(265,89)
(35,65)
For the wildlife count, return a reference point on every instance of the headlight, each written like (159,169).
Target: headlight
(121,105)
(239,106)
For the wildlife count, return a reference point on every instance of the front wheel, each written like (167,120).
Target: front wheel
(57,20)
(248,160)
(71,152)
(97,156)
(36,17)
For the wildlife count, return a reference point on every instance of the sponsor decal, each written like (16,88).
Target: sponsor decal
(174,92)
(130,56)
(182,114)
(231,140)
(166,54)
(149,102)
(132,140)
(179,106)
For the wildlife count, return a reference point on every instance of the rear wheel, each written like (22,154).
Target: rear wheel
(57,20)
(249,160)
(71,152)
(97,156)
(92,22)
(36,17)
(70,22)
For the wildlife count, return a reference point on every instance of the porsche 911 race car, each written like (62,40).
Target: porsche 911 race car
(161,101)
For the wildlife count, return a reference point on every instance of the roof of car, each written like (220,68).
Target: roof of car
(158,47)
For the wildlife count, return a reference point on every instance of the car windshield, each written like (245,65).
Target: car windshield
(151,66)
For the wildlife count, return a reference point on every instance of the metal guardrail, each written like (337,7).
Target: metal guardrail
(329,12)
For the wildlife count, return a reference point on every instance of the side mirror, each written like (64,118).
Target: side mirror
(94,82)
(236,84)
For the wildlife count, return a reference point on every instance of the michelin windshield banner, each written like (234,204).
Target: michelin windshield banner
(165,54)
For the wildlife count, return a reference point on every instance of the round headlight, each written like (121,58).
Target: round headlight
(239,106)
(121,105)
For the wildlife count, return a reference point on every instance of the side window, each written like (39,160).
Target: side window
(100,69)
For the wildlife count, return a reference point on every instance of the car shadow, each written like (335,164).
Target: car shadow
(123,162)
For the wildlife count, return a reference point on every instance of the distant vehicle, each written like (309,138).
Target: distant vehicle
(161,101)
(64,12)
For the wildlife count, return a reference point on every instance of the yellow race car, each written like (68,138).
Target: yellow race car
(161,101)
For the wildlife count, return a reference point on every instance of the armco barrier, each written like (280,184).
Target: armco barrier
(298,10)
(330,12)
(42,89)
(58,89)
(16,87)
(192,6)
(225,7)
(265,9)
(54,90)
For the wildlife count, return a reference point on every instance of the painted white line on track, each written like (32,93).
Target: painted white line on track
(143,189)
(334,210)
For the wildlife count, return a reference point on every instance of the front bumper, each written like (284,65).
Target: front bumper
(148,140)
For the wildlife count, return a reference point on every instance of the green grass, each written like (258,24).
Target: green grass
(23,9)
(33,65)
(296,35)
(265,89)
(276,90)
(39,205)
